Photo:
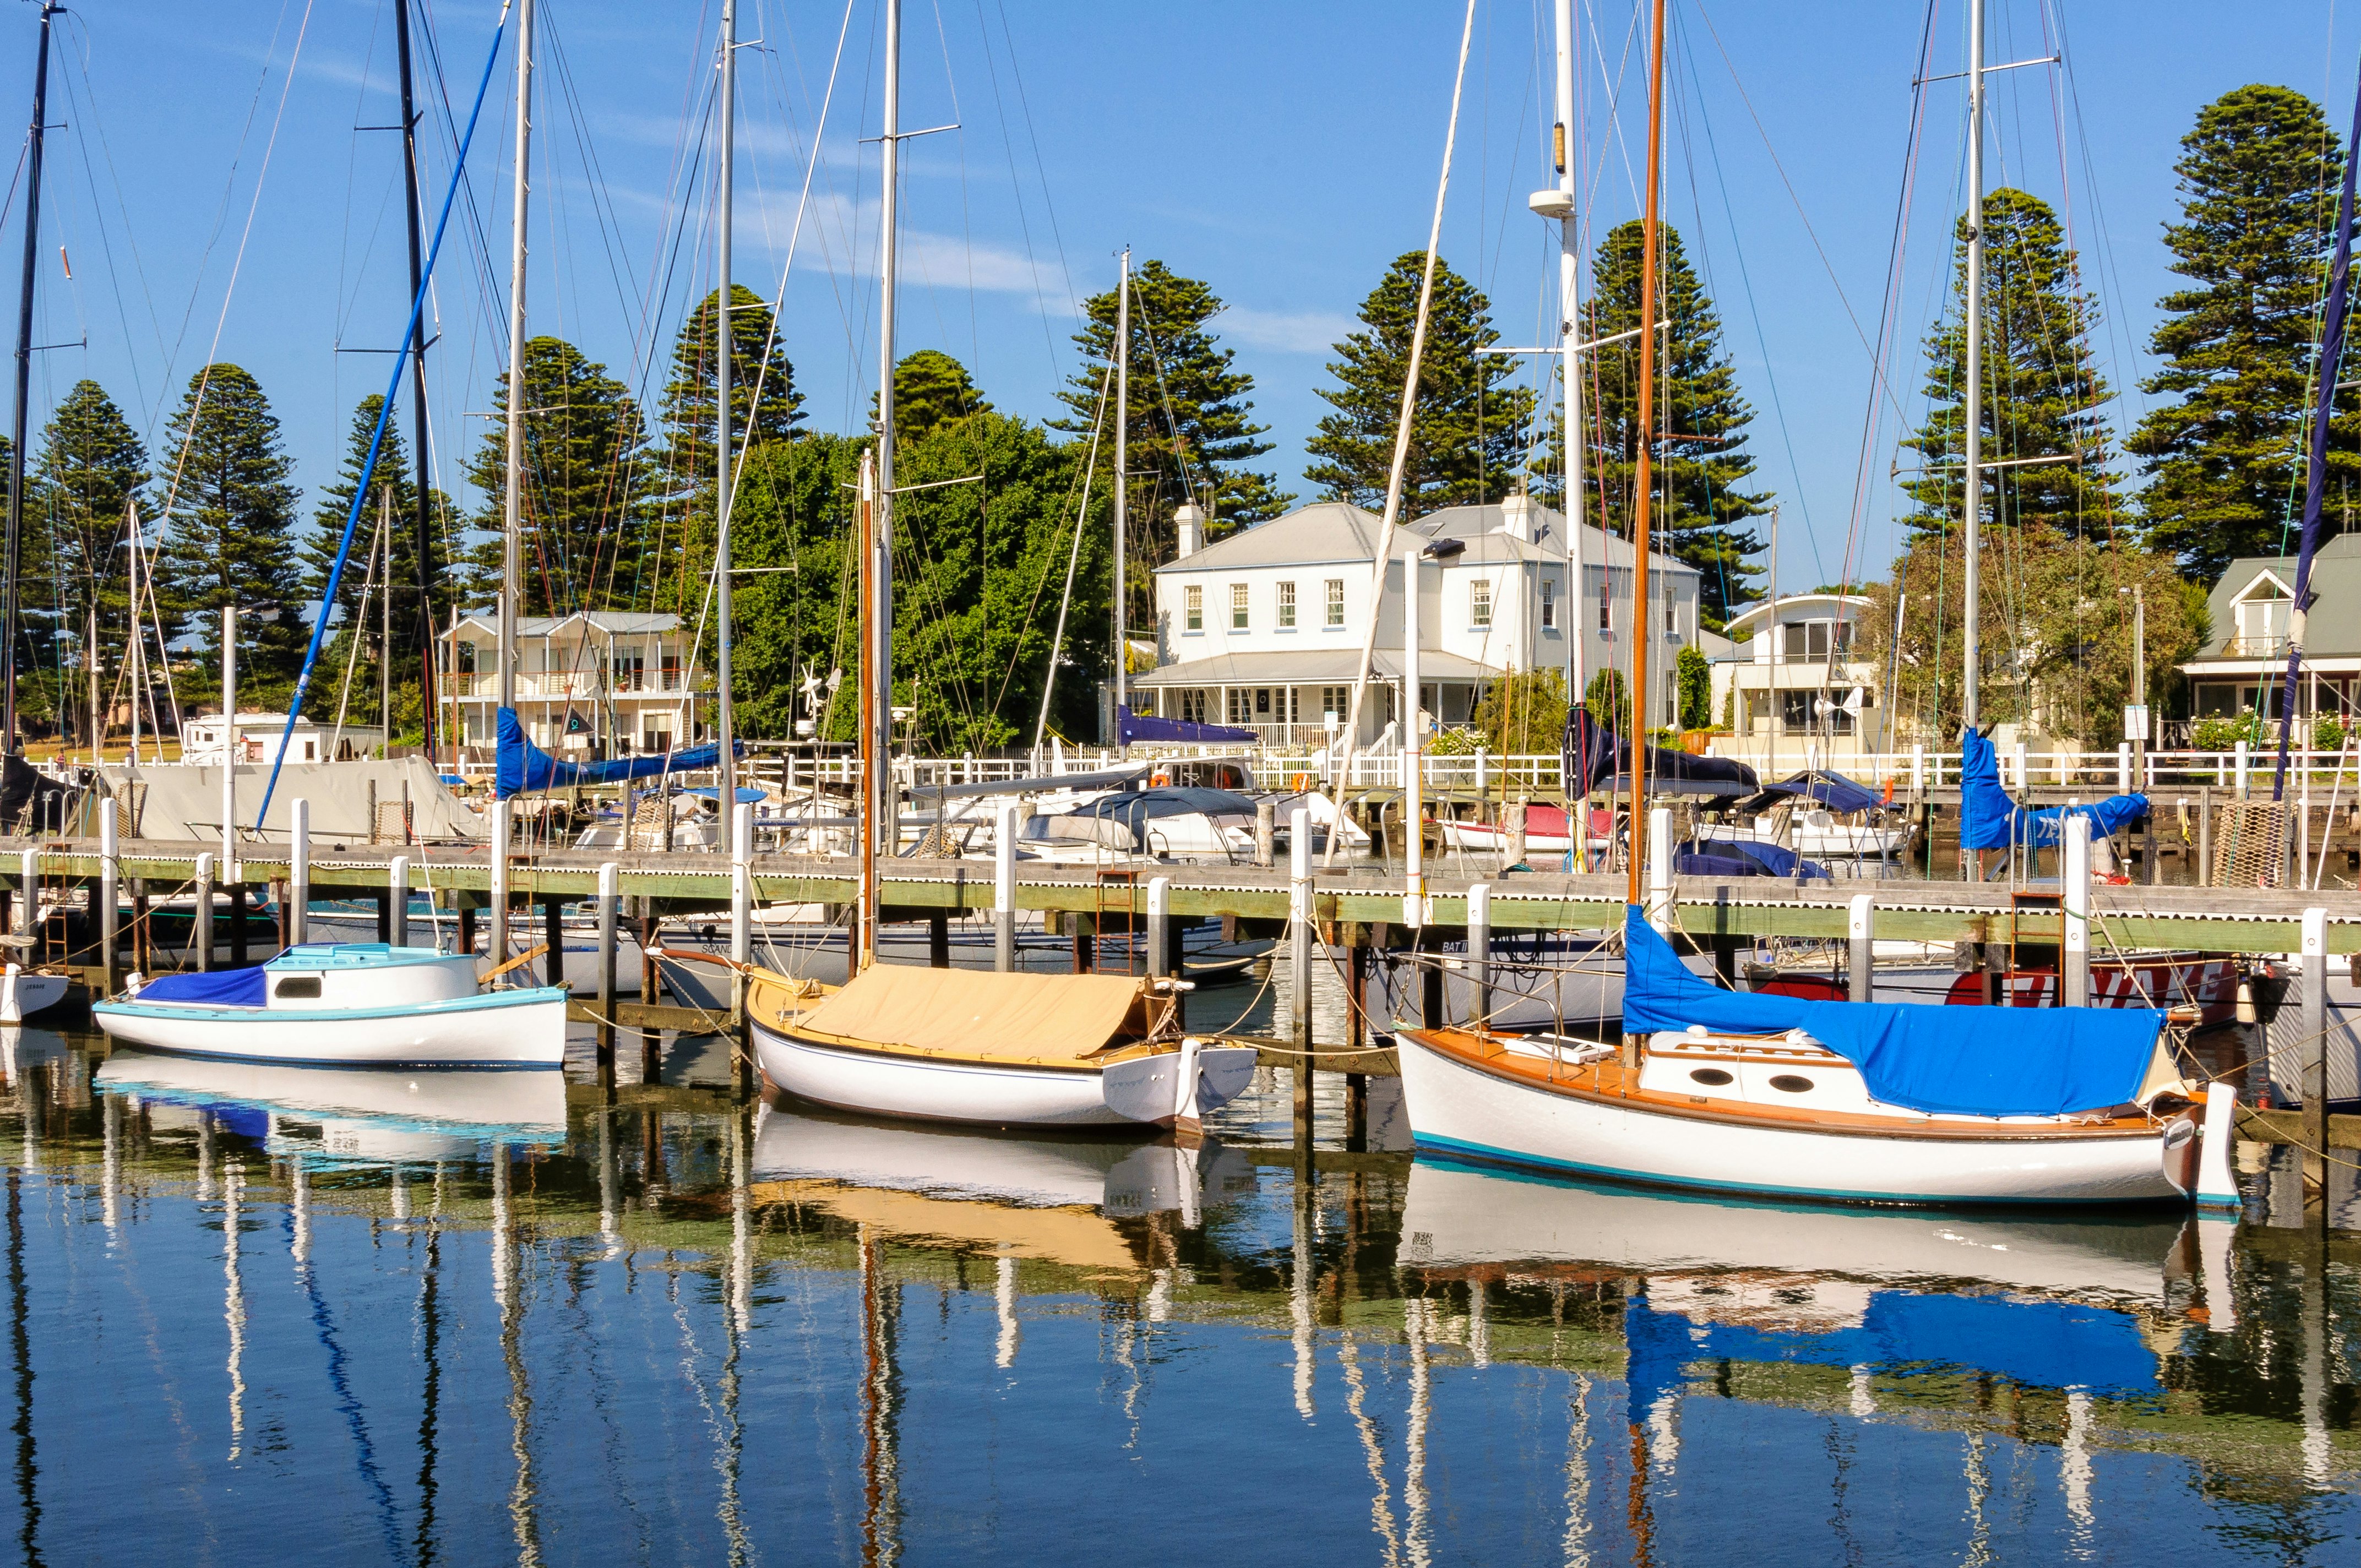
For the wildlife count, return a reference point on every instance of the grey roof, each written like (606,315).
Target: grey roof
(1326,532)
(1312,667)
(2332,629)
(618,622)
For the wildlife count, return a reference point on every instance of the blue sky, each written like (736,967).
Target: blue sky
(1285,153)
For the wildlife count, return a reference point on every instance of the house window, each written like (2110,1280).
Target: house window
(1807,641)
(2263,624)
(630,672)
(1237,606)
(1671,614)
(1606,603)
(1549,602)
(1335,701)
(1286,605)
(1241,707)
(1192,608)
(1479,602)
(1192,705)
(1336,601)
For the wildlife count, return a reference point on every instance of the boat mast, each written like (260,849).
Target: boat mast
(513,499)
(15,541)
(1971,433)
(878,827)
(1571,433)
(725,715)
(1640,630)
(420,534)
(1122,485)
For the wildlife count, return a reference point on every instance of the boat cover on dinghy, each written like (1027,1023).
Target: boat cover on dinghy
(221,988)
(1991,819)
(1013,1016)
(1959,1061)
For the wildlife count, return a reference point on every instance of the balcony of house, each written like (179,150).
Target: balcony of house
(568,685)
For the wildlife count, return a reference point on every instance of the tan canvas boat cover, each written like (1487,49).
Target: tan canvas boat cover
(978,1012)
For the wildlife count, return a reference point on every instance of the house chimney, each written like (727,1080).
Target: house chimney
(1516,515)
(1191,522)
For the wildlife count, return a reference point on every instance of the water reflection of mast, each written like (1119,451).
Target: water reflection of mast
(1373,1454)
(21,1345)
(110,1187)
(430,1393)
(522,1518)
(1418,1325)
(734,1319)
(233,1288)
(881,1315)
(1577,1478)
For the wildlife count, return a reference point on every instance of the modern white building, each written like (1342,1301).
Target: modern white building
(259,736)
(1264,628)
(1791,689)
(608,683)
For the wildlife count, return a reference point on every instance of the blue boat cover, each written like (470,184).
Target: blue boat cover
(2041,1344)
(1968,1061)
(521,766)
(222,988)
(1990,819)
(1148,727)
(1833,790)
(1743,857)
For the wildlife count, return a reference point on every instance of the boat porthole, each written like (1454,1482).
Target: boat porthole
(1711,1077)
(1788,1083)
(302,986)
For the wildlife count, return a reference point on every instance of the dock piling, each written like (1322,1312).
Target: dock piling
(2315,1038)
(741,932)
(109,958)
(397,893)
(1512,852)
(2205,835)
(553,920)
(1300,938)
(1859,955)
(236,921)
(1357,1036)
(201,917)
(299,869)
(2074,878)
(610,907)
(1479,950)
(1266,832)
(1004,890)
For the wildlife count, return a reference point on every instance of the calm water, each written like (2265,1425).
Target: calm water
(400,1318)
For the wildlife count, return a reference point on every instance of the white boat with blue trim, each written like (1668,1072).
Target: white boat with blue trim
(345,1004)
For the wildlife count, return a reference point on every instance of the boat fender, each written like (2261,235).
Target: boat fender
(1159,779)
(132,983)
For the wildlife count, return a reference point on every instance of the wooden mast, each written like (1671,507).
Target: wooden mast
(1641,627)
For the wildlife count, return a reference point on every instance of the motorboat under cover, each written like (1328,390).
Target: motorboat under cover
(1831,789)
(1991,819)
(1743,857)
(1957,1061)
(1013,1016)
(222,988)
(1130,811)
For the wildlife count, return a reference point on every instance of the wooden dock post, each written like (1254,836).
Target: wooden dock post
(610,907)
(298,871)
(2205,835)
(1357,1036)
(397,899)
(1299,938)
(2074,879)
(383,898)
(1479,951)
(1512,838)
(1004,890)
(1160,964)
(201,916)
(1266,832)
(238,954)
(553,920)
(1859,968)
(467,928)
(109,958)
(741,915)
(2315,1044)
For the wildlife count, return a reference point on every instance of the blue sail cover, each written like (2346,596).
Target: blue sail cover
(1148,727)
(1963,1061)
(1990,819)
(523,766)
(222,988)
(1710,856)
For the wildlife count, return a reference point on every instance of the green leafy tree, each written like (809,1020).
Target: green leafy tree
(93,467)
(233,537)
(1469,423)
(1693,677)
(1523,713)
(2042,396)
(1701,462)
(795,614)
(2224,453)
(686,412)
(584,545)
(930,388)
(1607,699)
(1192,430)
(393,472)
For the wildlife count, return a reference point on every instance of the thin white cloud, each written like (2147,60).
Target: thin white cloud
(1288,332)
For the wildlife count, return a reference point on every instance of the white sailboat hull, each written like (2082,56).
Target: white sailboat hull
(1141,1092)
(1459,1108)
(506,1028)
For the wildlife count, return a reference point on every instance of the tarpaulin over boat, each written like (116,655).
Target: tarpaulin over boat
(2040,1344)
(1051,1018)
(1969,1062)
(1833,790)
(222,988)
(1148,727)
(523,766)
(1990,819)
(1594,758)
(1743,857)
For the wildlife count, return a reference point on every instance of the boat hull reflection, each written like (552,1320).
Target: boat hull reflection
(353,1115)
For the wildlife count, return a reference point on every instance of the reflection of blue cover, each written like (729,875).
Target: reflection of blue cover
(1972,1061)
(2043,1344)
(222,988)
(1990,819)
(521,765)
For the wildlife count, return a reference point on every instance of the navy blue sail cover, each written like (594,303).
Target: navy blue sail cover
(1990,819)
(1743,857)
(521,766)
(222,988)
(1961,1062)
(1143,727)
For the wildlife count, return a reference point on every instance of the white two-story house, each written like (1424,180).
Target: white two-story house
(1264,628)
(1791,689)
(607,683)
